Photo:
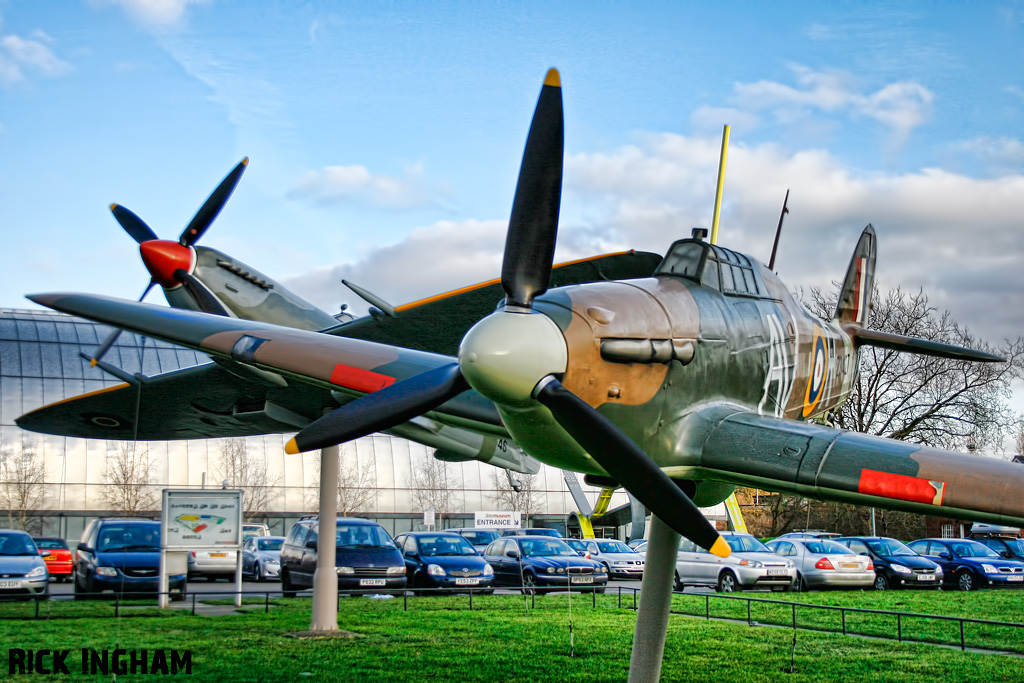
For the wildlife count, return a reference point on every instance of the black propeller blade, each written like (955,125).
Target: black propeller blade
(533,227)
(132,224)
(382,409)
(207,302)
(112,337)
(214,203)
(629,465)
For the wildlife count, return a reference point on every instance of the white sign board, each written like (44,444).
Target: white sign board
(428,518)
(498,520)
(201,519)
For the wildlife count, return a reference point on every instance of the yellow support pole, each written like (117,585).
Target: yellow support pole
(586,528)
(732,507)
(602,502)
(721,182)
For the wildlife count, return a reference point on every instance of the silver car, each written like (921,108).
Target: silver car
(618,558)
(821,563)
(751,565)
(23,572)
(261,558)
(212,564)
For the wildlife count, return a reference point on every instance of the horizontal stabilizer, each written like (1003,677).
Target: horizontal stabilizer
(897,342)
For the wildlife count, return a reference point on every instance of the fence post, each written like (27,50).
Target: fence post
(794,616)
(266,602)
(707,606)
(193,604)
(117,605)
(963,645)
(899,627)
(620,597)
(844,621)
(593,596)
(634,599)
(470,599)
(748,611)
(405,600)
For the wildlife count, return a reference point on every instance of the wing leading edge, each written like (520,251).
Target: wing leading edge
(728,444)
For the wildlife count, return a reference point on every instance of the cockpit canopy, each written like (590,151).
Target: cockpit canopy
(715,267)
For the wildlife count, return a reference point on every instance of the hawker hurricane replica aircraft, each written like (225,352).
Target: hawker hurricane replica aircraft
(678,385)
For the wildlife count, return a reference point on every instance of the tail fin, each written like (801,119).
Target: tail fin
(855,299)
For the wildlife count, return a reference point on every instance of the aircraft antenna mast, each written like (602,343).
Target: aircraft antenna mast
(778,231)
(721,182)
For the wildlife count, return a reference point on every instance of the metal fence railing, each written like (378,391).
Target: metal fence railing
(850,621)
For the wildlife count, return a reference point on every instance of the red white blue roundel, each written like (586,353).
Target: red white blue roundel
(819,370)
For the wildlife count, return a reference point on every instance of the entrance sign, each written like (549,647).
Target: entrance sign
(498,520)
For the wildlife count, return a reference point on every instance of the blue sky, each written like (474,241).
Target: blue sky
(385,137)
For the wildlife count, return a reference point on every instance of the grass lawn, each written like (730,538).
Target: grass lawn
(439,640)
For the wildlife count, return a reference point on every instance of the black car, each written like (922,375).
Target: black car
(366,557)
(896,565)
(443,560)
(1009,548)
(121,556)
(969,565)
(540,563)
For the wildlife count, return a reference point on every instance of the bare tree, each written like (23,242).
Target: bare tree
(433,484)
(933,401)
(23,487)
(357,486)
(528,499)
(249,472)
(129,472)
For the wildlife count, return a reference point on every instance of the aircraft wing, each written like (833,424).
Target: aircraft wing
(730,444)
(438,324)
(310,367)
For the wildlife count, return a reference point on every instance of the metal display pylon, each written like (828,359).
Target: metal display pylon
(325,579)
(655,603)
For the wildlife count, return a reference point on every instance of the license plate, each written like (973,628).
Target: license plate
(218,554)
(928,577)
(1015,578)
(373,582)
(849,565)
(777,572)
(581,579)
(49,558)
(467,582)
(10,584)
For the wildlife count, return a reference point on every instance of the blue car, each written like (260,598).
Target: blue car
(121,556)
(443,560)
(537,564)
(968,565)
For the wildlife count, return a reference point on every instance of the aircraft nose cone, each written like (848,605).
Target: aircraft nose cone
(506,354)
(163,257)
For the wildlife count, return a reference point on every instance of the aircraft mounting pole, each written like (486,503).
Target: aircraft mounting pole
(721,182)
(325,580)
(655,603)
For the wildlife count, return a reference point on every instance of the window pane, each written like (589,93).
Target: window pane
(47,330)
(10,358)
(87,333)
(31,363)
(50,354)
(26,330)
(66,333)
(8,329)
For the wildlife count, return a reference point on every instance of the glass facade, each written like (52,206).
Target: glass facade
(41,361)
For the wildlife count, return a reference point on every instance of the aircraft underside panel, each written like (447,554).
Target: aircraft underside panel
(820,462)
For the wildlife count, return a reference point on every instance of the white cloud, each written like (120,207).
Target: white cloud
(998,155)
(18,55)
(357,184)
(900,106)
(159,14)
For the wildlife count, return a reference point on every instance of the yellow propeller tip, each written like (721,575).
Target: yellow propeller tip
(291,447)
(93,362)
(721,548)
(245,161)
(553,79)
(113,206)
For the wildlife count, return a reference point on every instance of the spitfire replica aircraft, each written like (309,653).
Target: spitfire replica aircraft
(678,383)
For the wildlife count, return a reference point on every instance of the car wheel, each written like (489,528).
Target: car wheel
(80,592)
(530,584)
(881,583)
(286,585)
(679,584)
(256,573)
(727,582)
(965,581)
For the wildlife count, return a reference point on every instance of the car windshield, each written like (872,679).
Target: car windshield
(270,543)
(17,544)
(745,544)
(134,538)
(972,549)
(542,532)
(50,543)
(444,545)
(480,537)
(613,547)
(827,548)
(1016,546)
(545,547)
(889,547)
(363,536)
(576,544)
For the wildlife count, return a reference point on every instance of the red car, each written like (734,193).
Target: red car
(60,562)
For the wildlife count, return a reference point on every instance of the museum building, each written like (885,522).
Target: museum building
(41,362)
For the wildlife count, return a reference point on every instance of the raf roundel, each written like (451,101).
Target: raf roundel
(819,370)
